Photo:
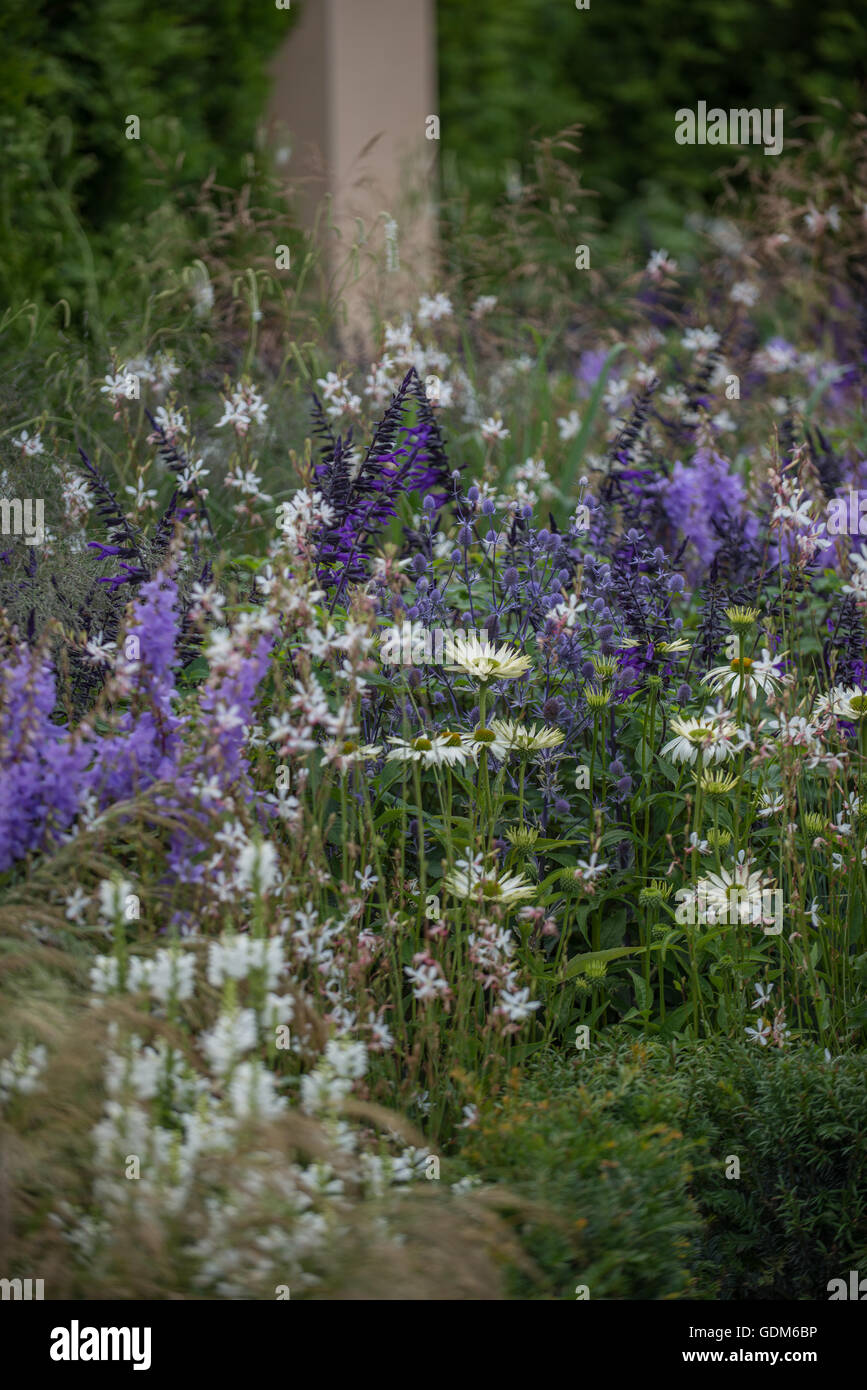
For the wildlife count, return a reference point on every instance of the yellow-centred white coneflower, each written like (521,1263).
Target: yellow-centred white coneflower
(748,674)
(455,747)
(736,895)
(431,750)
(484,661)
(526,738)
(468,879)
(843,702)
(348,752)
(484,738)
(700,740)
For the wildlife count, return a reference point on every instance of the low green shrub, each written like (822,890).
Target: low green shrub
(600,1175)
(626,1155)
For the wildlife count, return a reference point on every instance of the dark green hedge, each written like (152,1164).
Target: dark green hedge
(624,1155)
(529,67)
(70,73)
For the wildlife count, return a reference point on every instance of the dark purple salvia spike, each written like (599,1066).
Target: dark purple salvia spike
(845,651)
(176,461)
(110,512)
(401,459)
(698,393)
(621,470)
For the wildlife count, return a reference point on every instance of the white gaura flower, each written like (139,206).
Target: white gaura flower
(763,994)
(770,803)
(760,1033)
(516,1005)
(569,425)
(700,739)
(525,738)
(567,611)
(843,702)
(589,870)
(428,981)
(493,428)
(76,904)
(432,309)
(700,339)
(485,661)
(796,732)
(468,879)
(29,444)
(749,674)
(99,651)
(857,585)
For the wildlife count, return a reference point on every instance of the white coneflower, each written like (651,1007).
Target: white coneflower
(470,880)
(455,747)
(344,755)
(431,750)
(843,702)
(699,739)
(484,738)
(485,661)
(748,674)
(526,738)
(722,896)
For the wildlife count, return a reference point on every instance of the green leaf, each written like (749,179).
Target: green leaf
(642,993)
(578,964)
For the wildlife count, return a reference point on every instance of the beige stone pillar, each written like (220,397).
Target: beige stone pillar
(354,87)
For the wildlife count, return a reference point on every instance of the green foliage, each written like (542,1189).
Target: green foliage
(626,1147)
(72,184)
(529,68)
(797,1216)
(601,1175)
